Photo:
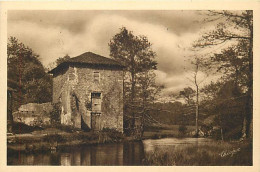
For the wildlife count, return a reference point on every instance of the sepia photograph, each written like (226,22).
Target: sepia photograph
(129,87)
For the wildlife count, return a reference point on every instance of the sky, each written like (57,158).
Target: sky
(54,34)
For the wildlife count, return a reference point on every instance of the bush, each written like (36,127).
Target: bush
(113,133)
(55,114)
(21,128)
(53,138)
(182,129)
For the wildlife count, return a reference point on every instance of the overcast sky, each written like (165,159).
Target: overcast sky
(53,34)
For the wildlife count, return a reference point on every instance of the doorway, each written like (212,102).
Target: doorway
(96,111)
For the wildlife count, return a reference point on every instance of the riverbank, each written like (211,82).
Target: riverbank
(52,139)
(174,149)
(216,153)
(49,138)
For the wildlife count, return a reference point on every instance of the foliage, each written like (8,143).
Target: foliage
(188,94)
(55,114)
(227,102)
(173,113)
(182,129)
(62,59)
(21,128)
(136,53)
(113,134)
(53,138)
(26,75)
(235,61)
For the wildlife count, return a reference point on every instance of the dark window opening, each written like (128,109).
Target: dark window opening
(96,102)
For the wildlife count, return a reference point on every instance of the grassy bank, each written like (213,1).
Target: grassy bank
(52,138)
(207,154)
(164,131)
(31,139)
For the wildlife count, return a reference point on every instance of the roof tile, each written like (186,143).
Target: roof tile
(89,58)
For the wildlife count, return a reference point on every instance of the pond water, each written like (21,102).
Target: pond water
(130,153)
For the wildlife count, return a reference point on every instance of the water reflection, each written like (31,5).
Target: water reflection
(130,153)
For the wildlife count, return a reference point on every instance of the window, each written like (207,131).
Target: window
(96,76)
(96,95)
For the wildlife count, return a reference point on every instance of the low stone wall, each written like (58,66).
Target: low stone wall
(34,114)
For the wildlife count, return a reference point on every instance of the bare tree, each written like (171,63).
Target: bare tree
(235,27)
(195,80)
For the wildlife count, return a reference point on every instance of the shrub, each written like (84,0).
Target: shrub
(20,128)
(55,114)
(113,133)
(53,138)
(182,129)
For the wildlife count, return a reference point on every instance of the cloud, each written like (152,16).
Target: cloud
(56,34)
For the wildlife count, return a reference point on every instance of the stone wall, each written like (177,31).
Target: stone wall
(34,114)
(73,88)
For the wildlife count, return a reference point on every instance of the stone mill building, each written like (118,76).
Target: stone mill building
(89,88)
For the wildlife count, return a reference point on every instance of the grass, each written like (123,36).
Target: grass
(44,139)
(207,154)
(156,132)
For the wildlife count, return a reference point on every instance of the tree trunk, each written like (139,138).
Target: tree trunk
(243,136)
(132,96)
(197,97)
(250,90)
(248,119)
(197,109)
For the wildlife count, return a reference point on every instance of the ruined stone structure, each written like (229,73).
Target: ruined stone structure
(89,88)
(34,114)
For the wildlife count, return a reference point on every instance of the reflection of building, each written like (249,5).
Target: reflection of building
(89,88)
(127,153)
(65,159)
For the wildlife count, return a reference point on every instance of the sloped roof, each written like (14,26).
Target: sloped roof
(89,58)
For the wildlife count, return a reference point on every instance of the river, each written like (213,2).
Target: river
(127,154)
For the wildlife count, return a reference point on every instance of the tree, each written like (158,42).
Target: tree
(188,94)
(198,66)
(58,61)
(225,101)
(235,27)
(26,75)
(135,52)
(210,90)
(62,59)
(147,91)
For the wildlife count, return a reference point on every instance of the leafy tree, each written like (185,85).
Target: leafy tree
(58,61)
(26,75)
(136,53)
(62,59)
(188,94)
(211,90)
(236,61)
(230,107)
